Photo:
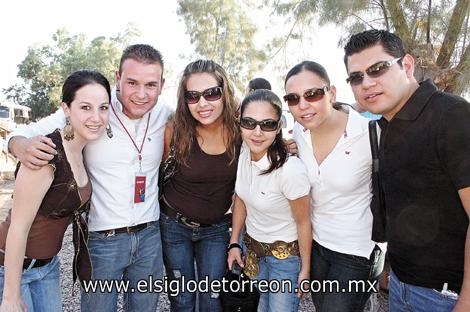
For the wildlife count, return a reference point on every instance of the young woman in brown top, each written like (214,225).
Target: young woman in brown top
(47,199)
(194,208)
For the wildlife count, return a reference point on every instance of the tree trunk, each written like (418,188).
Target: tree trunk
(452,34)
(428,26)
(384,12)
(399,22)
(462,77)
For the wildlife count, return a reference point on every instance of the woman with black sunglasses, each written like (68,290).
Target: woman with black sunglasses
(273,201)
(333,143)
(203,139)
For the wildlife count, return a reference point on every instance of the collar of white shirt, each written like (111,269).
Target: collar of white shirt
(355,126)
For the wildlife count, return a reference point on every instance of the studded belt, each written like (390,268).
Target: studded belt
(167,209)
(278,249)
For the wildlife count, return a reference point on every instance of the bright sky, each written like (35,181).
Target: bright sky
(24,23)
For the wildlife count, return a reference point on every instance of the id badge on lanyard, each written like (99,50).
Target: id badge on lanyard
(140,186)
(140,178)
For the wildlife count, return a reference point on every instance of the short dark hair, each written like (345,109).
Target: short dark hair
(78,80)
(143,53)
(391,43)
(277,152)
(311,66)
(259,83)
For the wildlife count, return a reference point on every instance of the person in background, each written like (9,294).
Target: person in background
(46,200)
(257,83)
(333,143)
(273,201)
(195,215)
(124,241)
(361,110)
(424,171)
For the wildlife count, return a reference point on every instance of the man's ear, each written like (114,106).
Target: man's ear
(408,63)
(118,80)
(162,84)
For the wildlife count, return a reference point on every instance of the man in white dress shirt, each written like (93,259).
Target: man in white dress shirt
(124,242)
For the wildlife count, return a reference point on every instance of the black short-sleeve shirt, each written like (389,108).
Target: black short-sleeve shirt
(424,161)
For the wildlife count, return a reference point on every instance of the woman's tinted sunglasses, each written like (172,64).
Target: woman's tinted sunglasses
(265,125)
(211,94)
(311,95)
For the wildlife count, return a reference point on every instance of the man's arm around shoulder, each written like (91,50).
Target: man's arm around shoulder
(29,144)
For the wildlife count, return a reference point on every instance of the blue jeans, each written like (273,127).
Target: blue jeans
(331,266)
(408,298)
(273,269)
(181,246)
(40,287)
(129,257)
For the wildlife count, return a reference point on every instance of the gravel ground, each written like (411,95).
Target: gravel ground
(71,295)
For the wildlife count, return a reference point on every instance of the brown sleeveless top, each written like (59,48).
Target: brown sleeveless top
(202,191)
(63,203)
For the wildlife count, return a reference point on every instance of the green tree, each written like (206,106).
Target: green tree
(220,30)
(45,67)
(435,32)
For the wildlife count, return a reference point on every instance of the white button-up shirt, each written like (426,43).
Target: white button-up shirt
(266,197)
(341,189)
(113,164)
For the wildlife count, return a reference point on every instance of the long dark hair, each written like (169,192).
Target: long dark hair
(277,152)
(78,80)
(185,124)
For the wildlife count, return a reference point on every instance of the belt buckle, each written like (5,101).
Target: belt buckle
(110,233)
(191,224)
(280,250)
(28,263)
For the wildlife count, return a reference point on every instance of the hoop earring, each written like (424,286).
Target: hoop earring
(68,130)
(109,131)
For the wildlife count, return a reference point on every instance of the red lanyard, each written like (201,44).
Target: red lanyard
(139,151)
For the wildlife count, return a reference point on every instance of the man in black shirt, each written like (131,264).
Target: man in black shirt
(425,174)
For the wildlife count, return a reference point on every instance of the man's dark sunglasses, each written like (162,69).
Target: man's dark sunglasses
(374,71)
(211,94)
(265,125)
(311,95)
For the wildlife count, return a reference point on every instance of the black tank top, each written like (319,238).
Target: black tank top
(202,191)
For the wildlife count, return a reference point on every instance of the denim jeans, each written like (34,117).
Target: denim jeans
(181,246)
(40,287)
(409,298)
(129,257)
(273,269)
(331,266)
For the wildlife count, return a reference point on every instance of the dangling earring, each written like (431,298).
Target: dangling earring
(68,130)
(109,131)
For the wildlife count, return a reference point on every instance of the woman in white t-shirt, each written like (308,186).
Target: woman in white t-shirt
(333,143)
(273,201)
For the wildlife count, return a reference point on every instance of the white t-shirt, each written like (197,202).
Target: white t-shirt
(341,189)
(269,216)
